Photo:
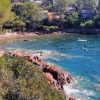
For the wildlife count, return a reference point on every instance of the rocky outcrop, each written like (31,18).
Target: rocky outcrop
(54,74)
(71,98)
(60,77)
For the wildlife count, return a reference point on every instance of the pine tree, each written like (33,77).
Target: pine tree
(5,12)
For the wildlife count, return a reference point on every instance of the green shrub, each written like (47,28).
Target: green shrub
(28,84)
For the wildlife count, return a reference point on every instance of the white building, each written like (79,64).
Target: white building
(37,1)
(97,2)
(55,2)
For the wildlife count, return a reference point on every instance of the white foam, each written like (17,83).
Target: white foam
(78,93)
(70,90)
(87,92)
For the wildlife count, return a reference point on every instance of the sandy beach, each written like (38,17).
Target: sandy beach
(16,35)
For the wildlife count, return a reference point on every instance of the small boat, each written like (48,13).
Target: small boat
(27,40)
(82,40)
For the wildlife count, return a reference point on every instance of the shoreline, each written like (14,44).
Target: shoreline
(16,36)
(25,35)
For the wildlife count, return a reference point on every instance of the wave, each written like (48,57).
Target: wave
(78,92)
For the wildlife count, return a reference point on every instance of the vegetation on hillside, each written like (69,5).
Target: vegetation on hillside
(21,80)
(6,15)
(28,16)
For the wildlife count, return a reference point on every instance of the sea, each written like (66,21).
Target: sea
(77,54)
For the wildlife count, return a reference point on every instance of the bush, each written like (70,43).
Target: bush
(28,84)
(50,28)
(87,23)
(18,24)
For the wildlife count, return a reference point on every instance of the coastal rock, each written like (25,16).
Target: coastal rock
(59,75)
(20,54)
(54,74)
(50,79)
(16,53)
(72,98)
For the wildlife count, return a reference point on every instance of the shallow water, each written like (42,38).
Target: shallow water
(84,65)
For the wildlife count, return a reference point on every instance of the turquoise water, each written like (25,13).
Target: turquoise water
(84,65)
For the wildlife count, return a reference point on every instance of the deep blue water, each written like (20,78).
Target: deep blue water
(84,65)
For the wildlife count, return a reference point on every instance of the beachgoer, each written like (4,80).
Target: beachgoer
(52,52)
(84,47)
(41,53)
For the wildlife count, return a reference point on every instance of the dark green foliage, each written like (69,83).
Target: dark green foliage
(73,20)
(5,12)
(97,21)
(27,12)
(50,28)
(28,15)
(86,23)
(91,4)
(18,24)
(28,84)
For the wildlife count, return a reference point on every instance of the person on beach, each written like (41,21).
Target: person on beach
(41,53)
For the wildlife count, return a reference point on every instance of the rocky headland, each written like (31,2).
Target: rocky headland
(55,76)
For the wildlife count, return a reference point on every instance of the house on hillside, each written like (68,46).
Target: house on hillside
(55,15)
(87,13)
(55,2)
(36,1)
(98,7)
(84,13)
(13,1)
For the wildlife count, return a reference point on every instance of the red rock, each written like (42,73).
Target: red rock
(49,77)
(20,54)
(54,74)
(69,78)
(71,98)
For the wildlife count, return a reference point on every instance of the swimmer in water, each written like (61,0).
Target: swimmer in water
(84,47)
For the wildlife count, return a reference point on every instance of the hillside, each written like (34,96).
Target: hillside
(5,11)
(21,80)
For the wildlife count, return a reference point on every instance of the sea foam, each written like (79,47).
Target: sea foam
(79,94)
